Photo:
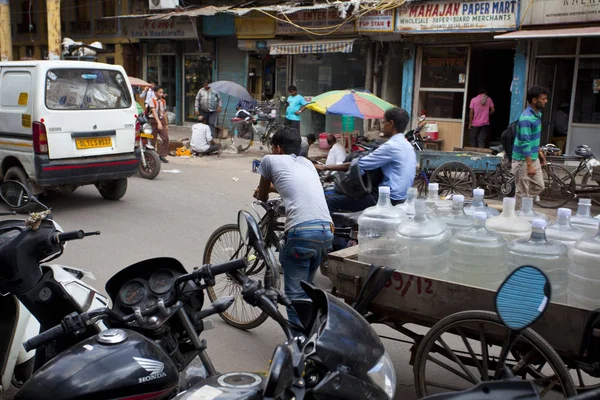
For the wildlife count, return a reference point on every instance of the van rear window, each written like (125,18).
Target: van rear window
(86,89)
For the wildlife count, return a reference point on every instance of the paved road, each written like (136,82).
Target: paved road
(173,216)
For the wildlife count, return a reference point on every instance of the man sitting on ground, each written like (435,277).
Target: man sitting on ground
(202,142)
(306,143)
(337,152)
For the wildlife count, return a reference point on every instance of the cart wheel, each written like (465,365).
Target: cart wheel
(462,350)
(454,177)
(589,183)
(583,381)
(559,187)
(420,183)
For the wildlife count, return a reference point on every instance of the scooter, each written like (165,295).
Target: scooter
(149,163)
(414,136)
(17,324)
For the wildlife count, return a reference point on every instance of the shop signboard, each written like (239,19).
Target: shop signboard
(457,16)
(173,28)
(254,27)
(559,11)
(376,21)
(311,19)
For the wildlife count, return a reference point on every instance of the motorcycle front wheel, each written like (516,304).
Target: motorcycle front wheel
(152,167)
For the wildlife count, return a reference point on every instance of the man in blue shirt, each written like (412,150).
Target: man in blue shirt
(396,158)
(296,104)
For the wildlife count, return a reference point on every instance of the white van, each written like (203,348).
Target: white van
(64,124)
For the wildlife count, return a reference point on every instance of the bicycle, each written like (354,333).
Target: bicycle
(225,244)
(560,184)
(244,131)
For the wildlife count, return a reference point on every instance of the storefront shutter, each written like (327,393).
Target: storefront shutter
(231,66)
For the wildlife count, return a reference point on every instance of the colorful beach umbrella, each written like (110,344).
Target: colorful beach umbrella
(354,103)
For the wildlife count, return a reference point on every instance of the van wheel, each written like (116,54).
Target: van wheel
(18,174)
(112,190)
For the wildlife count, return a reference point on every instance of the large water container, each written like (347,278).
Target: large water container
(479,205)
(377,227)
(423,244)
(409,205)
(478,256)
(435,204)
(550,257)
(562,230)
(584,273)
(527,210)
(583,219)
(457,219)
(507,223)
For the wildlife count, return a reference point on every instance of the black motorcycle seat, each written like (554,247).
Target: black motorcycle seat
(342,219)
(496,149)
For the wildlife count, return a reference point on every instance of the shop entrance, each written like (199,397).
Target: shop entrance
(556,74)
(491,67)
(161,69)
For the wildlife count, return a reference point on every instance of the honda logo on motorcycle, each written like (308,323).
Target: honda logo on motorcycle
(155,368)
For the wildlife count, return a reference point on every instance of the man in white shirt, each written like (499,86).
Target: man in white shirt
(202,142)
(337,152)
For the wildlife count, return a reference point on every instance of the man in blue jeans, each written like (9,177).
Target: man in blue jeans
(308,226)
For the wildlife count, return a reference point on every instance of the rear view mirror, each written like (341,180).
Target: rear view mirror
(249,230)
(281,373)
(523,297)
(15,194)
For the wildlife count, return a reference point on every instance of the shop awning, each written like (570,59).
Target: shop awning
(551,33)
(313,47)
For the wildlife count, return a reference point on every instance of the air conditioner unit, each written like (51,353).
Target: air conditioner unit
(163,4)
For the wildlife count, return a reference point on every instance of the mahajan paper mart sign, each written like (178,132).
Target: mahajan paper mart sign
(440,16)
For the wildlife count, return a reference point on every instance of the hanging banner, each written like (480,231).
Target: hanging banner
(559,11)
(174,28)
(376,21)
(463,16)
(313,19)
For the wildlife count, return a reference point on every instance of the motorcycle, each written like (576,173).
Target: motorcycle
(337,355)
(414,136)
(27,279)
(149,163)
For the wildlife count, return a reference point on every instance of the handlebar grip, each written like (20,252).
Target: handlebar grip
(44,337)
(229,266)
(73,235)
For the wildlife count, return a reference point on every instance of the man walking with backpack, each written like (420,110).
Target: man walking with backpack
(527,159)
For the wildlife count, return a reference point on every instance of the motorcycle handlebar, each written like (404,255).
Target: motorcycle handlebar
(227,267)
(65,237)
(44,337)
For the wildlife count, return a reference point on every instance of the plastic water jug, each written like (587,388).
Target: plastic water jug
(562,231)
(550,257)
(409,205)
(479,205)
(377,227)
(583,219)
(436,205)
(507,223)
(423,244)
(584,273)
(527,210)
(457,219)
(478,256)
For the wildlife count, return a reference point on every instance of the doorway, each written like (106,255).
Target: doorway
(161,69)
(556,74)
(491,67)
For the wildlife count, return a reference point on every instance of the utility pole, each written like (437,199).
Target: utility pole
(54,31)
(5,32)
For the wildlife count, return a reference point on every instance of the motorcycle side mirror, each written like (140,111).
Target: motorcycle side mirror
(520,301)
(422,118)
(523,297)
(249,230)
(15,194)
(281,373)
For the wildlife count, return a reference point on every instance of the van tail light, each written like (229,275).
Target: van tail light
(40,138)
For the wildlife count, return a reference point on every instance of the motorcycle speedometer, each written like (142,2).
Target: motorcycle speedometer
(132,293)
(162,281)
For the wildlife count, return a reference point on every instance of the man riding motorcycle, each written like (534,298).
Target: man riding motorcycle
(397,161)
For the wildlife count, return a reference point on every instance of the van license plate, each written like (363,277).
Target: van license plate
(93,143)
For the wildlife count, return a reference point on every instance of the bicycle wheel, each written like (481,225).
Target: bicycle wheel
(559,187)
(589,183)
(269,135)
(245,135)
(225,244)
